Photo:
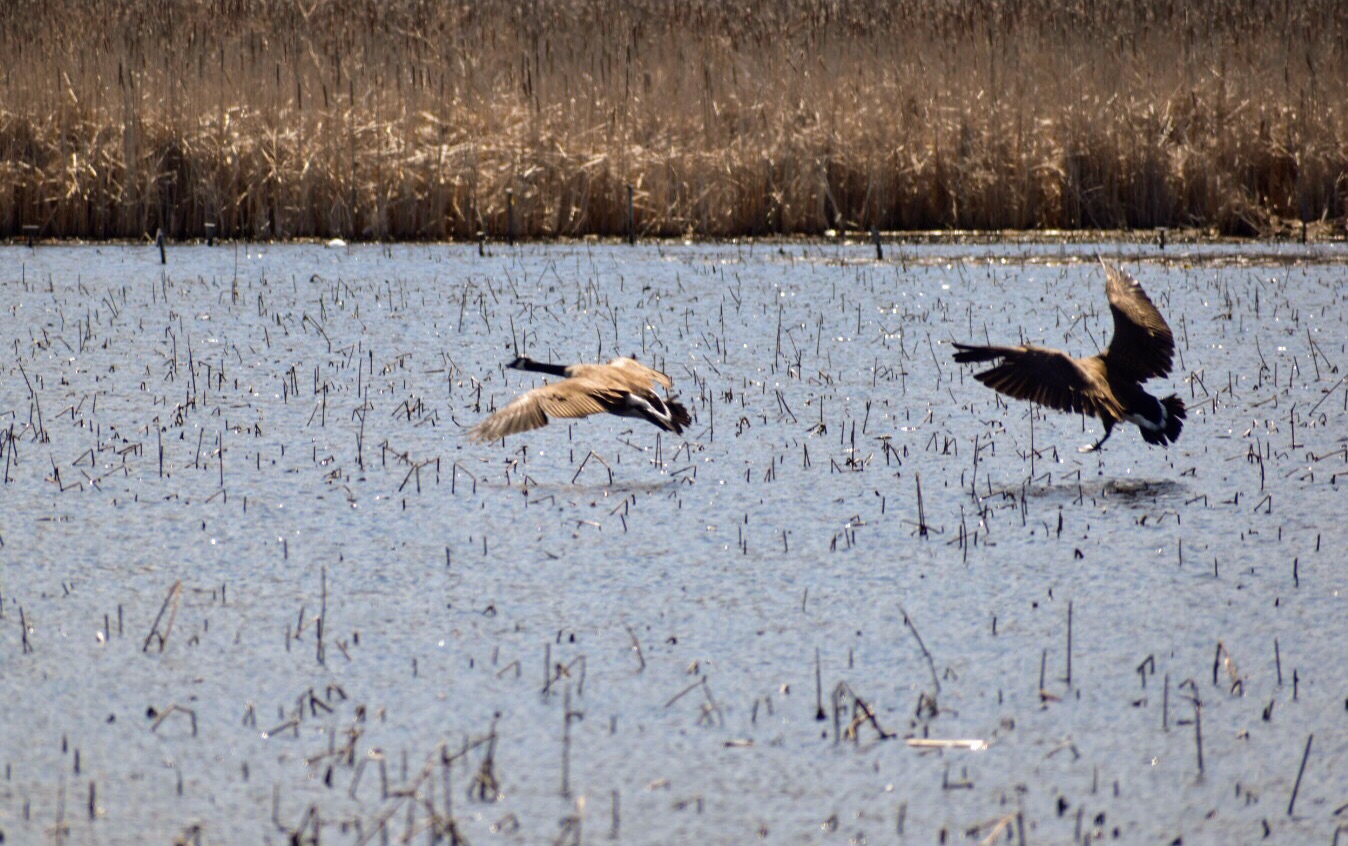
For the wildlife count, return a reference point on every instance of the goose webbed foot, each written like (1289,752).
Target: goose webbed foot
(1095,447)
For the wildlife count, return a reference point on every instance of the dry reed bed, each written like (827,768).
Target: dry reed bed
(412,119)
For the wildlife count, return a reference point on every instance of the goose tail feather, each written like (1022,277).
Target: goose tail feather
(1166,430)
(1175,415)
(678,417)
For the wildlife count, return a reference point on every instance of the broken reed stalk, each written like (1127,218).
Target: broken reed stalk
(1068,680)
(411,794)
(1198,719)
(1300,772)
(921,510)
(636,647)
(595,456)
(321,623)
(819,713)
(1222,658)
(710,712)
(1002,825)
(931,665)
(170,605)
(485,786)
(568,716)
(40,431)
(175,708)
(862,713)
(23,628)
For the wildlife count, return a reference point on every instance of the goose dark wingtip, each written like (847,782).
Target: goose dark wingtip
(968,353)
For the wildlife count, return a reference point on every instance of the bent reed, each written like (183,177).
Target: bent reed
(412,119)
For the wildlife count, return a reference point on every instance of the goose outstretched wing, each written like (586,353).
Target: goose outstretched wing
(1142,346)
(1046,376)
(577,397)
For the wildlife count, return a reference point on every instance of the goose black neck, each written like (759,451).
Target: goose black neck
(524,363)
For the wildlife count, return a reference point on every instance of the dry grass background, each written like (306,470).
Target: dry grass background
(410,119)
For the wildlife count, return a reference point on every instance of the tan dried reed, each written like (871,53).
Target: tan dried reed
(409,119)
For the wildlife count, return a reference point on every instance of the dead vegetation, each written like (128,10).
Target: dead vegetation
(416,119)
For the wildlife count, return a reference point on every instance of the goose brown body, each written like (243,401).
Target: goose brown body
(622,387)
(1107,385)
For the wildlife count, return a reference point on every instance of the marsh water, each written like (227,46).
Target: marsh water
(256,586)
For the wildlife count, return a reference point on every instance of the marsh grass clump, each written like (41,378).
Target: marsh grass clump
(412,119)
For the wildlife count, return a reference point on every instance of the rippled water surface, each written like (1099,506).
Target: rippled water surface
(256,585)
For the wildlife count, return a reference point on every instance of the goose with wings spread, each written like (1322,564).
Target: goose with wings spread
(623,387)
(1108,385)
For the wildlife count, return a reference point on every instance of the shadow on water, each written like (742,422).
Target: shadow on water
(619,487)
(1128,491)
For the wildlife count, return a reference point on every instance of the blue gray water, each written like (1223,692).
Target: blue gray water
(255,583)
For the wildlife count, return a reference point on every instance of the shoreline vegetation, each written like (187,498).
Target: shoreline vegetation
(430,120)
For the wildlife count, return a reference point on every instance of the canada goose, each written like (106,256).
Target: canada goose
(1108,385)
(623,387)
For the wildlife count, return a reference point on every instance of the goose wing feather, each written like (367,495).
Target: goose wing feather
(638,371)
(1051,378)
(576,397)
(1142,346)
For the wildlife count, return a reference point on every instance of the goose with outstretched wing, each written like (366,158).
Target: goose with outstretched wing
(622,387)
(1108,385)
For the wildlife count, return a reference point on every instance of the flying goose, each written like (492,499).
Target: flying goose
(1108,385)
(623,387)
